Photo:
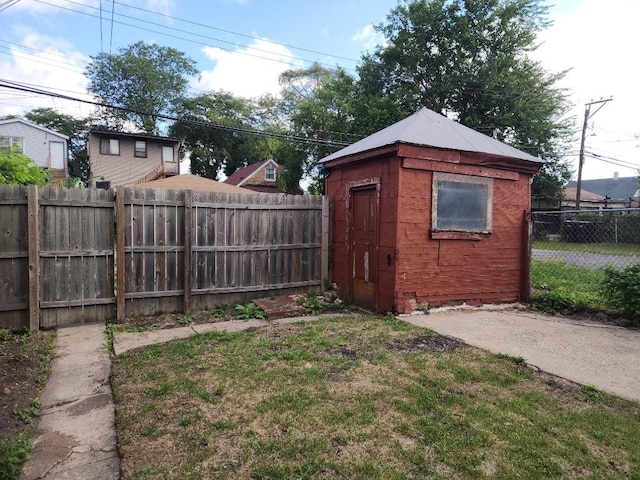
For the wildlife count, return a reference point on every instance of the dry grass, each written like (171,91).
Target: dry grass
(363,397)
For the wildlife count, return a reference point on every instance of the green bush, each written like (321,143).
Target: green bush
(13,453)
(621,291)
(18,169)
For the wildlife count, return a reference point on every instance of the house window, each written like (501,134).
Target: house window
(462,203)
(167,154)
(8,142)
(109,146)
(270,174)
(140,149)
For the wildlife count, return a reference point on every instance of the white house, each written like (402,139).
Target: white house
(45,147)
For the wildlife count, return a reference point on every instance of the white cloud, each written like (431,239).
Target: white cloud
(247,72)
(596,40)
(42,61)
(368,37)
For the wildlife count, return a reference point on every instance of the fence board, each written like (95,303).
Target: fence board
(14,261)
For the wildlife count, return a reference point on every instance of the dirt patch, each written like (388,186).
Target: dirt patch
(427,342)
(21,379)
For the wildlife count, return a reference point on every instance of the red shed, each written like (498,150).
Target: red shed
(429,211)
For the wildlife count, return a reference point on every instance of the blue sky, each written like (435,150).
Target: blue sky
(243,45)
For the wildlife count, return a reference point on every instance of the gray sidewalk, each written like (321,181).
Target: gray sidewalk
(590,353)
(77,439)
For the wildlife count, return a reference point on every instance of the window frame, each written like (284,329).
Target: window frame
(104,151)
(164,148)
(11,141)
(441,232)
(137,152)
(266,173)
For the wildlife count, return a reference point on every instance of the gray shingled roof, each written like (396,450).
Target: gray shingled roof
(620,188)
(430,129)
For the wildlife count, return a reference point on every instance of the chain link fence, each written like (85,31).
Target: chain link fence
(572,249)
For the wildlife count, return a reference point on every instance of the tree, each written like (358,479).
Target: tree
(77,129)
(18,169)
(469,60)
(143,79)
(227,147)
(317,103)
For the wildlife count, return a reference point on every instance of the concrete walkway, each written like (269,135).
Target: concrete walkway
(77,422)
(605,356)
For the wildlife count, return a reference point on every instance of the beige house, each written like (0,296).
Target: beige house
(128,159)
(259,177)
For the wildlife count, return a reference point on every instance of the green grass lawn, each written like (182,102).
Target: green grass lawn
(361,397)
(602,248)
(561,287)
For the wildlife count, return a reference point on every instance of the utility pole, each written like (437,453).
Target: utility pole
(587,116)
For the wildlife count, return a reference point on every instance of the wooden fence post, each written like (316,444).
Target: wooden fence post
(325,239)
(33,228)
(188,235)
(120,263)
(525,279)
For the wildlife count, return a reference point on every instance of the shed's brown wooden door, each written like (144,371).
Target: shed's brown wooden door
(363,236)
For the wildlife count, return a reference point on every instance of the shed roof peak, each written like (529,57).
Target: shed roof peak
(431,129)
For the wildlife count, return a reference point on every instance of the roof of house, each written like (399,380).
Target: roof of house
(239,176)
(430,129)
(193,182)
(119,173)
(34,125)
(615,188)
(570,194)
(143,136)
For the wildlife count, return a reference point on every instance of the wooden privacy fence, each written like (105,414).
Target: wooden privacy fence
(72,256)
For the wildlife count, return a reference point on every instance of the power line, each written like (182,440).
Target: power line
(253,37)
(262,133)
(190,40)
(7,4)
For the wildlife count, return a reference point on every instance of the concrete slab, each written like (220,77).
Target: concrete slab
(77,438)
(590,353)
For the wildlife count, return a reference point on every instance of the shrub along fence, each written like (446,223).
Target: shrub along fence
(72,256)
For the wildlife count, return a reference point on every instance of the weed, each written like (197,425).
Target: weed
(621,290)
(13,453)
(5,334)
(248,311)
(222,310)
(424,307)
(185,320)
(311,303)
(516,359)
(27,414)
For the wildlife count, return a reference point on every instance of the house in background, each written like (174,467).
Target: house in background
(47,148)
(127,159)
(429,211)
(259,177)
(614,192)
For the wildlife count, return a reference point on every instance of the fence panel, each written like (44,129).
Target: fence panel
(76,256)
(154,251)
(177,251)
(249,246)
(14,257)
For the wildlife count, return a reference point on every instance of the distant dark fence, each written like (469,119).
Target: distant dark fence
(71,256)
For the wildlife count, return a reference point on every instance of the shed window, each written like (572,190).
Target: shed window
(462,203)
(270,174)
(109,146)
(8,142)
(140,148)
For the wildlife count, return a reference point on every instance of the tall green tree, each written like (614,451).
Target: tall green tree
(143,79)
(317,103)
(470,60)
(77,129)
(226,147)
